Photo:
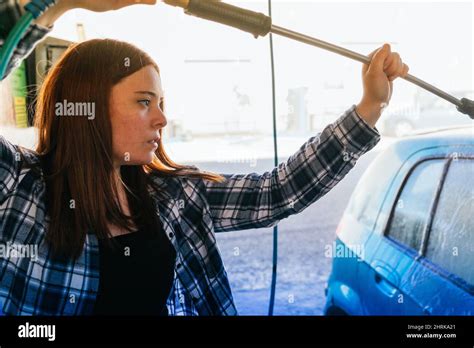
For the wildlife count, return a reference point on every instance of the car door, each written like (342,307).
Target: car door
(396,252)
(443,279)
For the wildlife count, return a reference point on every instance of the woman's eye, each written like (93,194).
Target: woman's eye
(145,102)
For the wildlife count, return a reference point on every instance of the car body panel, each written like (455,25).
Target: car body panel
(392,279)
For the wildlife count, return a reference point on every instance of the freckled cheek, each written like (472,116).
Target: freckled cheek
(130,131)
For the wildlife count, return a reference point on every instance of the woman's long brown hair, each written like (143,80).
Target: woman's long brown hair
(76,152)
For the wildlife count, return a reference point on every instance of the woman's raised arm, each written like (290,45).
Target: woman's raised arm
(261,200)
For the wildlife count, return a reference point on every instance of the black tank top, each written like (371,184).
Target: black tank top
(136,277)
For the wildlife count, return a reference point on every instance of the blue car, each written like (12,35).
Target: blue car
(405,244)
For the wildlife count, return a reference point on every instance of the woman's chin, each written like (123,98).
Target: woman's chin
(143,160)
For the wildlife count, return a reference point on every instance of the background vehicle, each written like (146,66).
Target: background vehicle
(409,227)
(427,112)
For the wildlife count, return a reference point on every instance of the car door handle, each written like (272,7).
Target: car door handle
(427,310)
(384,286)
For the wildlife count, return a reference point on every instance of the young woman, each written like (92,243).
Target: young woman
(118,227)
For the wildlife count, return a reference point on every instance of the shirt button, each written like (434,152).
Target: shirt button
(171,235)
(178,266)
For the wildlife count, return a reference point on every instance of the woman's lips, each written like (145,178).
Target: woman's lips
(154,142)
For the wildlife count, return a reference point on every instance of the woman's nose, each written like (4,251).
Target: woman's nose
(159,120)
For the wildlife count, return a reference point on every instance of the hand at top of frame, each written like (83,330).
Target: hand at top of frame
(104,5)
(49,17)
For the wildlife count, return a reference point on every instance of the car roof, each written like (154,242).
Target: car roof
(454,136)
(459,131)
(440,142)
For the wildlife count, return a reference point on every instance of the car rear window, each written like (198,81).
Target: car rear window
(451,241)
(412,208)
(366,199)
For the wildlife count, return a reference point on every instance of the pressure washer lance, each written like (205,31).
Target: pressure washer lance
(259,24)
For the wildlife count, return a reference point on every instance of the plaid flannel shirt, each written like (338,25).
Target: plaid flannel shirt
(191,211)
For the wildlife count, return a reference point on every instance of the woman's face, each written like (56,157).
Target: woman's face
(136,117)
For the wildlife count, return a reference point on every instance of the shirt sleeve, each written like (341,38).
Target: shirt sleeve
(10,164)
(253,200)
(34,34)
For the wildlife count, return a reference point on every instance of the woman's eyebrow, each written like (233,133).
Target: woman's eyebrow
(153,94)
